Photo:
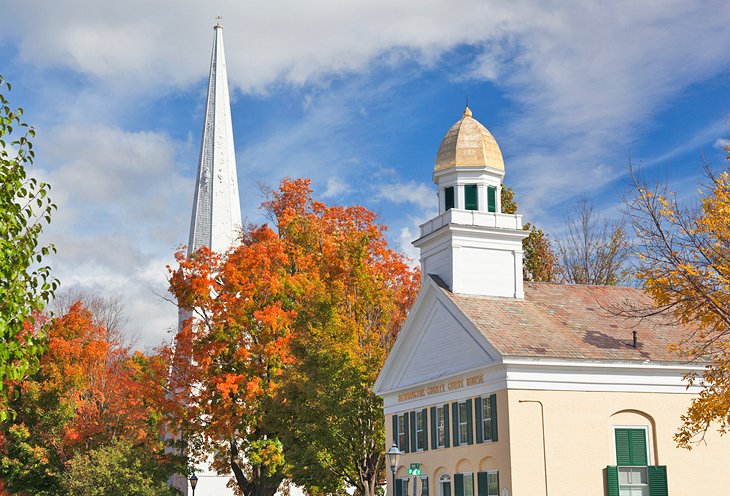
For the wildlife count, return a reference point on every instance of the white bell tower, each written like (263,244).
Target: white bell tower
(471,245)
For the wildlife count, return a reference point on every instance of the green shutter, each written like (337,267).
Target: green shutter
(398,487)
(657,475)
(637,438)
(471,201)
(469,422)
(446,426)
(478,416)
(631,447)
(424,412)
(395,429)
(623,449)
(455,422)
(449,198)
(406,447)
(458,484)
(414,446)
(491,199)
(612,480)
(493,408)
(434,432)
(482,484)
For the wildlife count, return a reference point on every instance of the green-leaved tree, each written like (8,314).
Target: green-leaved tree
(27,284)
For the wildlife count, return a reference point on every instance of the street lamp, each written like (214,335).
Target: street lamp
(393,455)
(193,482)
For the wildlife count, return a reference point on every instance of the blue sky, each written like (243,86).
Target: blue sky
(356,95)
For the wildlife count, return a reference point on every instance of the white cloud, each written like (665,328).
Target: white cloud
(721,143)
(123,207)
(420,195)
(335,187)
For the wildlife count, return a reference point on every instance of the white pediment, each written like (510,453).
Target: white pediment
(437,340)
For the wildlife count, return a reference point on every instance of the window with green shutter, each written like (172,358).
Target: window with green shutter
(424,486)
(449,198)
(491,199)
(485,409)
(447,437)
(471,197)
(444,485)
(631,447)
(421,433)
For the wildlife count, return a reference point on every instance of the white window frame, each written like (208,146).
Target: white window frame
(401,430)
(487,433)
(470,475)
(445,479)
(420,433)
(492,473)
(441,426)
(424,484)
(404,484)
(649,454)
(464,423)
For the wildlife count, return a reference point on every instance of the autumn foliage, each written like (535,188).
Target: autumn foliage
(684,264)
(89,391)
(257,307)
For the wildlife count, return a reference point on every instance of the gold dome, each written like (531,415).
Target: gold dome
(469,144)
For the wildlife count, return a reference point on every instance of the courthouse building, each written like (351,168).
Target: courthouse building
(499,387)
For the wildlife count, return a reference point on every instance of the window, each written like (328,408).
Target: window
(448,198)
(486,419)
(441,426)
(424,486)
(486,411)
(491,199)
(445,485)
(404,486)
(632,481)
(463,484)
(488,483)
(463,423)
(632,475)
(421,430)
(400,431)
(471,201)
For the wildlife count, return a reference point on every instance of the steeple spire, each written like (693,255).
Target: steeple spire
(216,214)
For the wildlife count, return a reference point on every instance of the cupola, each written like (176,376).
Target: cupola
(471,245)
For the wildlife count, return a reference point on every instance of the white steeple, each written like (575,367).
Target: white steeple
(471,245)
(216,216)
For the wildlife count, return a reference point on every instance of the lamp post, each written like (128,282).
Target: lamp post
(193,482)
(393,455)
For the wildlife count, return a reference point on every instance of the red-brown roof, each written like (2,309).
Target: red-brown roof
(570,321)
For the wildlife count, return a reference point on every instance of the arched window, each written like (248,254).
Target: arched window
(444,485)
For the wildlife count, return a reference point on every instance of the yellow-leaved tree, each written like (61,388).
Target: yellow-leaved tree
(683,254)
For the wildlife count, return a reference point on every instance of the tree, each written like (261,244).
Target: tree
(116,469)
(27,284)
(88,392)
(684,265)
(539,263)
(311,307)
(344,331)
(594,252)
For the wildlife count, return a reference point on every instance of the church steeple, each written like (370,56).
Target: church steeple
(216,215)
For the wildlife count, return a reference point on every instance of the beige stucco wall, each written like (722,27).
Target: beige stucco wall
(579,442)
(471,458)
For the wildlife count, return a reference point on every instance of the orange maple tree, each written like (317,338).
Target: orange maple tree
(89,390)
(251,308)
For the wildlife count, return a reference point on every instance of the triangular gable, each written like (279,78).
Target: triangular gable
(437,340)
